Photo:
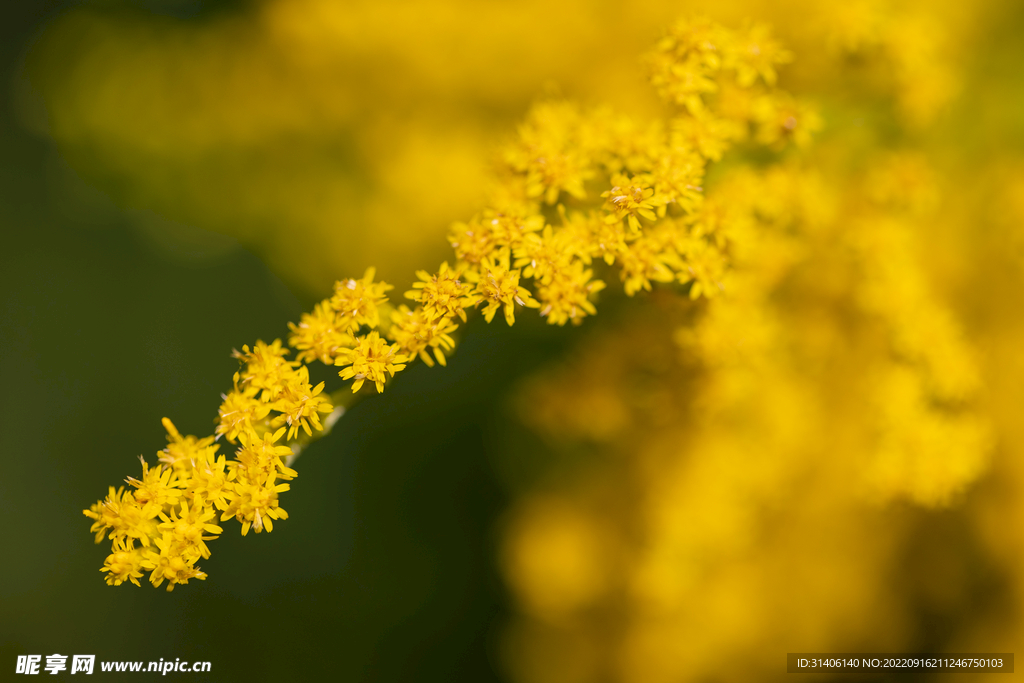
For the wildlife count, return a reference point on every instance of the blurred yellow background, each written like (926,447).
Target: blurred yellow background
(331,136)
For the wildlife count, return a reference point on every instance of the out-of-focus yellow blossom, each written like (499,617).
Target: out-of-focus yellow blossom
(757,54)
(781,120)
(473,242)
(706,134)
(563,558)
(550,153)
(685,60)
(705,269)
(820,380)
(651,257)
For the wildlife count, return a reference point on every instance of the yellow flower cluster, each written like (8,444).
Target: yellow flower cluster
(580,190)
(162,526)
(270,384)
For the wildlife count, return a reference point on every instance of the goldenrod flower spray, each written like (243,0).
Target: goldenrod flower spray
(578,188)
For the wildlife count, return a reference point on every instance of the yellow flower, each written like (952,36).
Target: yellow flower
(209,480)
(158,487)
(683,63)
(497,285)
(415,332)
(757,54)
(259,458)
(255,504)
(677,176)
(124,564)
(549,152)
(541,255)
(183,451)
(782,119)
(629,198)
(489,232)
(699,39)
(622,143)
(187,527)
(471,241)
(706,133)
(509,228)
(566,295)
(320,335)
(356,301)
(372,359)
(240,412)
(595,237)
(442,295)
(265,368)
(705,268)
(650,257)
(125,518)
(169,564)
(300,404)
(682,82)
